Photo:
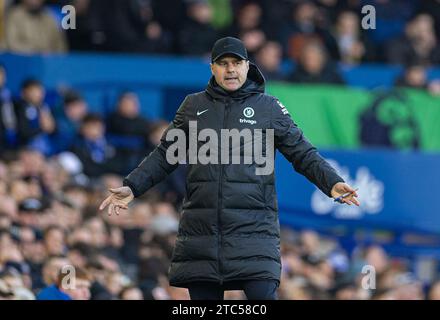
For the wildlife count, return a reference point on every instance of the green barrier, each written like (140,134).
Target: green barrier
(330,115)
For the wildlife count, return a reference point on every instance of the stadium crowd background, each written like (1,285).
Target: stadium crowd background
(58,161)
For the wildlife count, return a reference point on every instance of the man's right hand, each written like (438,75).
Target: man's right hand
(120,198)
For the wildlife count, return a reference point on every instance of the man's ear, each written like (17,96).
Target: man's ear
(212,68)
(247,64)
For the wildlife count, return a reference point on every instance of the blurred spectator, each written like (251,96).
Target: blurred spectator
(8,121)
(34,118)
(54,241)
(94,29)
(52,267)
(157,38)
(34,254)
(152,271)
(31,163)
(314,67)
(170,19)
(94,151)
(115,283)
(248,26)
(32,29)
(76,288)
(418,45)
(49,271)
(415,76)
(253,40)
(129,26)
(128,130)
(328,10)
(98,273)
(347,292)
(432,7)
(434,291)
(434,87)
(376,257)
(139,221)
(76,194)
(197,35)
(407,287)
(302,28)
(131,293)
(268,59)
(157,130)
(68,121)
(13,281)
(85,37)
(353,47)
(30,211)
(248,17)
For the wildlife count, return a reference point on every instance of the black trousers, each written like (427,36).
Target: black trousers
(253,289)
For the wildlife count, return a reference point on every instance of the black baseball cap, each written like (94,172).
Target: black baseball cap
(228,45)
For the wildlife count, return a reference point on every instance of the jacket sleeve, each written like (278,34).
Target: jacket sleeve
(291,142)
(155,167)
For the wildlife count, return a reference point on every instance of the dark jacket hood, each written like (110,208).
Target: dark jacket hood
(255,83)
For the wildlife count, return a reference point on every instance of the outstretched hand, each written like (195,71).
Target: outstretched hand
(342,188)
(119,198)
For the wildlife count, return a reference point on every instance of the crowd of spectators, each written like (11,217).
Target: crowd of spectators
(49,224)
(313,34)
(104,144)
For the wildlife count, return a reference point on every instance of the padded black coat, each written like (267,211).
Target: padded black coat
(229,227)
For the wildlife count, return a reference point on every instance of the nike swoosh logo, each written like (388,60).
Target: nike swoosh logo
(200,112)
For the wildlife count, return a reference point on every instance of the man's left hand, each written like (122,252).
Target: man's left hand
(342,188)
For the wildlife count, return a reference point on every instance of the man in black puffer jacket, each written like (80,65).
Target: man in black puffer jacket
(229,235)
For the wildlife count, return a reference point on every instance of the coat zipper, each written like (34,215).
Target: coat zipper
(220,203)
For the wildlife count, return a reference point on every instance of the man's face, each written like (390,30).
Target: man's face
(313,59)
(133,294)
(52,268)
(93,130)
(230,72)
(34,95)
(76,110)
(129,106)
(55,242)
(81,290)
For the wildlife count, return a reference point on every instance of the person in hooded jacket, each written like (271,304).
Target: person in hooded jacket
(229,234)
